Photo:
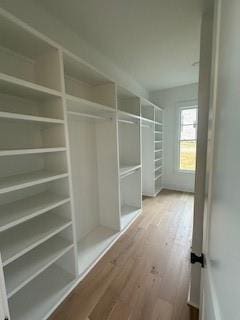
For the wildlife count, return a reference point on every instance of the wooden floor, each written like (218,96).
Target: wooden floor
(145,275)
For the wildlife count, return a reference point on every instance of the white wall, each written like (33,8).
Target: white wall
(169,99)
(35,15)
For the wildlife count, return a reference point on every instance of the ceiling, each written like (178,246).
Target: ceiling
(154,41)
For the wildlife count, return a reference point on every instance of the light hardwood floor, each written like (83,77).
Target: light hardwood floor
(145,275)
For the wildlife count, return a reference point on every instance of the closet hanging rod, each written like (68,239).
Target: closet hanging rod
(87,115)
(126,121)
(146,126)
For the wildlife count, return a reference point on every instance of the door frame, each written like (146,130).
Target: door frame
(4,311)
(206,279)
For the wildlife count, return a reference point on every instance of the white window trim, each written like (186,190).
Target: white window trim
(179,107)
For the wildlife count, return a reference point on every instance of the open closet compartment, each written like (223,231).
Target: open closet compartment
(131,196)
(148,148)
(93,149)
(129,131)
(147,110)
(27,59)
(129,141)
(86,87)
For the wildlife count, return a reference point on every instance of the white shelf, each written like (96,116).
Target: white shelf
(76,103)
(157,191)
(93,245)
(23,238)
(23,88)
(128,213)
(22,271)
(158,150)
(127,169)
(156,169)
(30,151)
(123,115)
(30,118)
(159,176)
(158,159)
(147,120)
(20,181)
(37,300)
(20,211)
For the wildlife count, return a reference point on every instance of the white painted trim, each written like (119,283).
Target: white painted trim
(4,310)
(181,105)
(208,279)
(189,302)
(178,188)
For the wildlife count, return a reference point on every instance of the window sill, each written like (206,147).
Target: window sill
(186,171)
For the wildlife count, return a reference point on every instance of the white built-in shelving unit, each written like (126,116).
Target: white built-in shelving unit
(152,148)
(71,167)
(129,141)
(36,225)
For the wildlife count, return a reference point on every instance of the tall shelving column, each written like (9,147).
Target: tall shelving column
(36,229)
(148,148)
(158,140)
(129,142)
(91,116)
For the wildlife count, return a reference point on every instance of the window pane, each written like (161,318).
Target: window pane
(188,155)
(188,132)
(189,116)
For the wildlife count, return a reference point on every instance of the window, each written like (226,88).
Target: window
(187,139)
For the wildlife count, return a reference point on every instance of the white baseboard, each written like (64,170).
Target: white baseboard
(178,188)
(189,302)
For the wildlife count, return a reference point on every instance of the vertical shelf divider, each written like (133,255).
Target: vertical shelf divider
(68,159)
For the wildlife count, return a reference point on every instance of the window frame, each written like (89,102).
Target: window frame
(193,104)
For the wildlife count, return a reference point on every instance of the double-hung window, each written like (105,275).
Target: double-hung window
(187,139)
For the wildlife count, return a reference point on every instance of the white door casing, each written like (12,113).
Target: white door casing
(220,292)
(4,312)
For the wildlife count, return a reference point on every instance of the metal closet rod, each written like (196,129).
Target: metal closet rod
(146,126)
(127,121)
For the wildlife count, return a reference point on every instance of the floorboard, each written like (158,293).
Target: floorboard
(145,275)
